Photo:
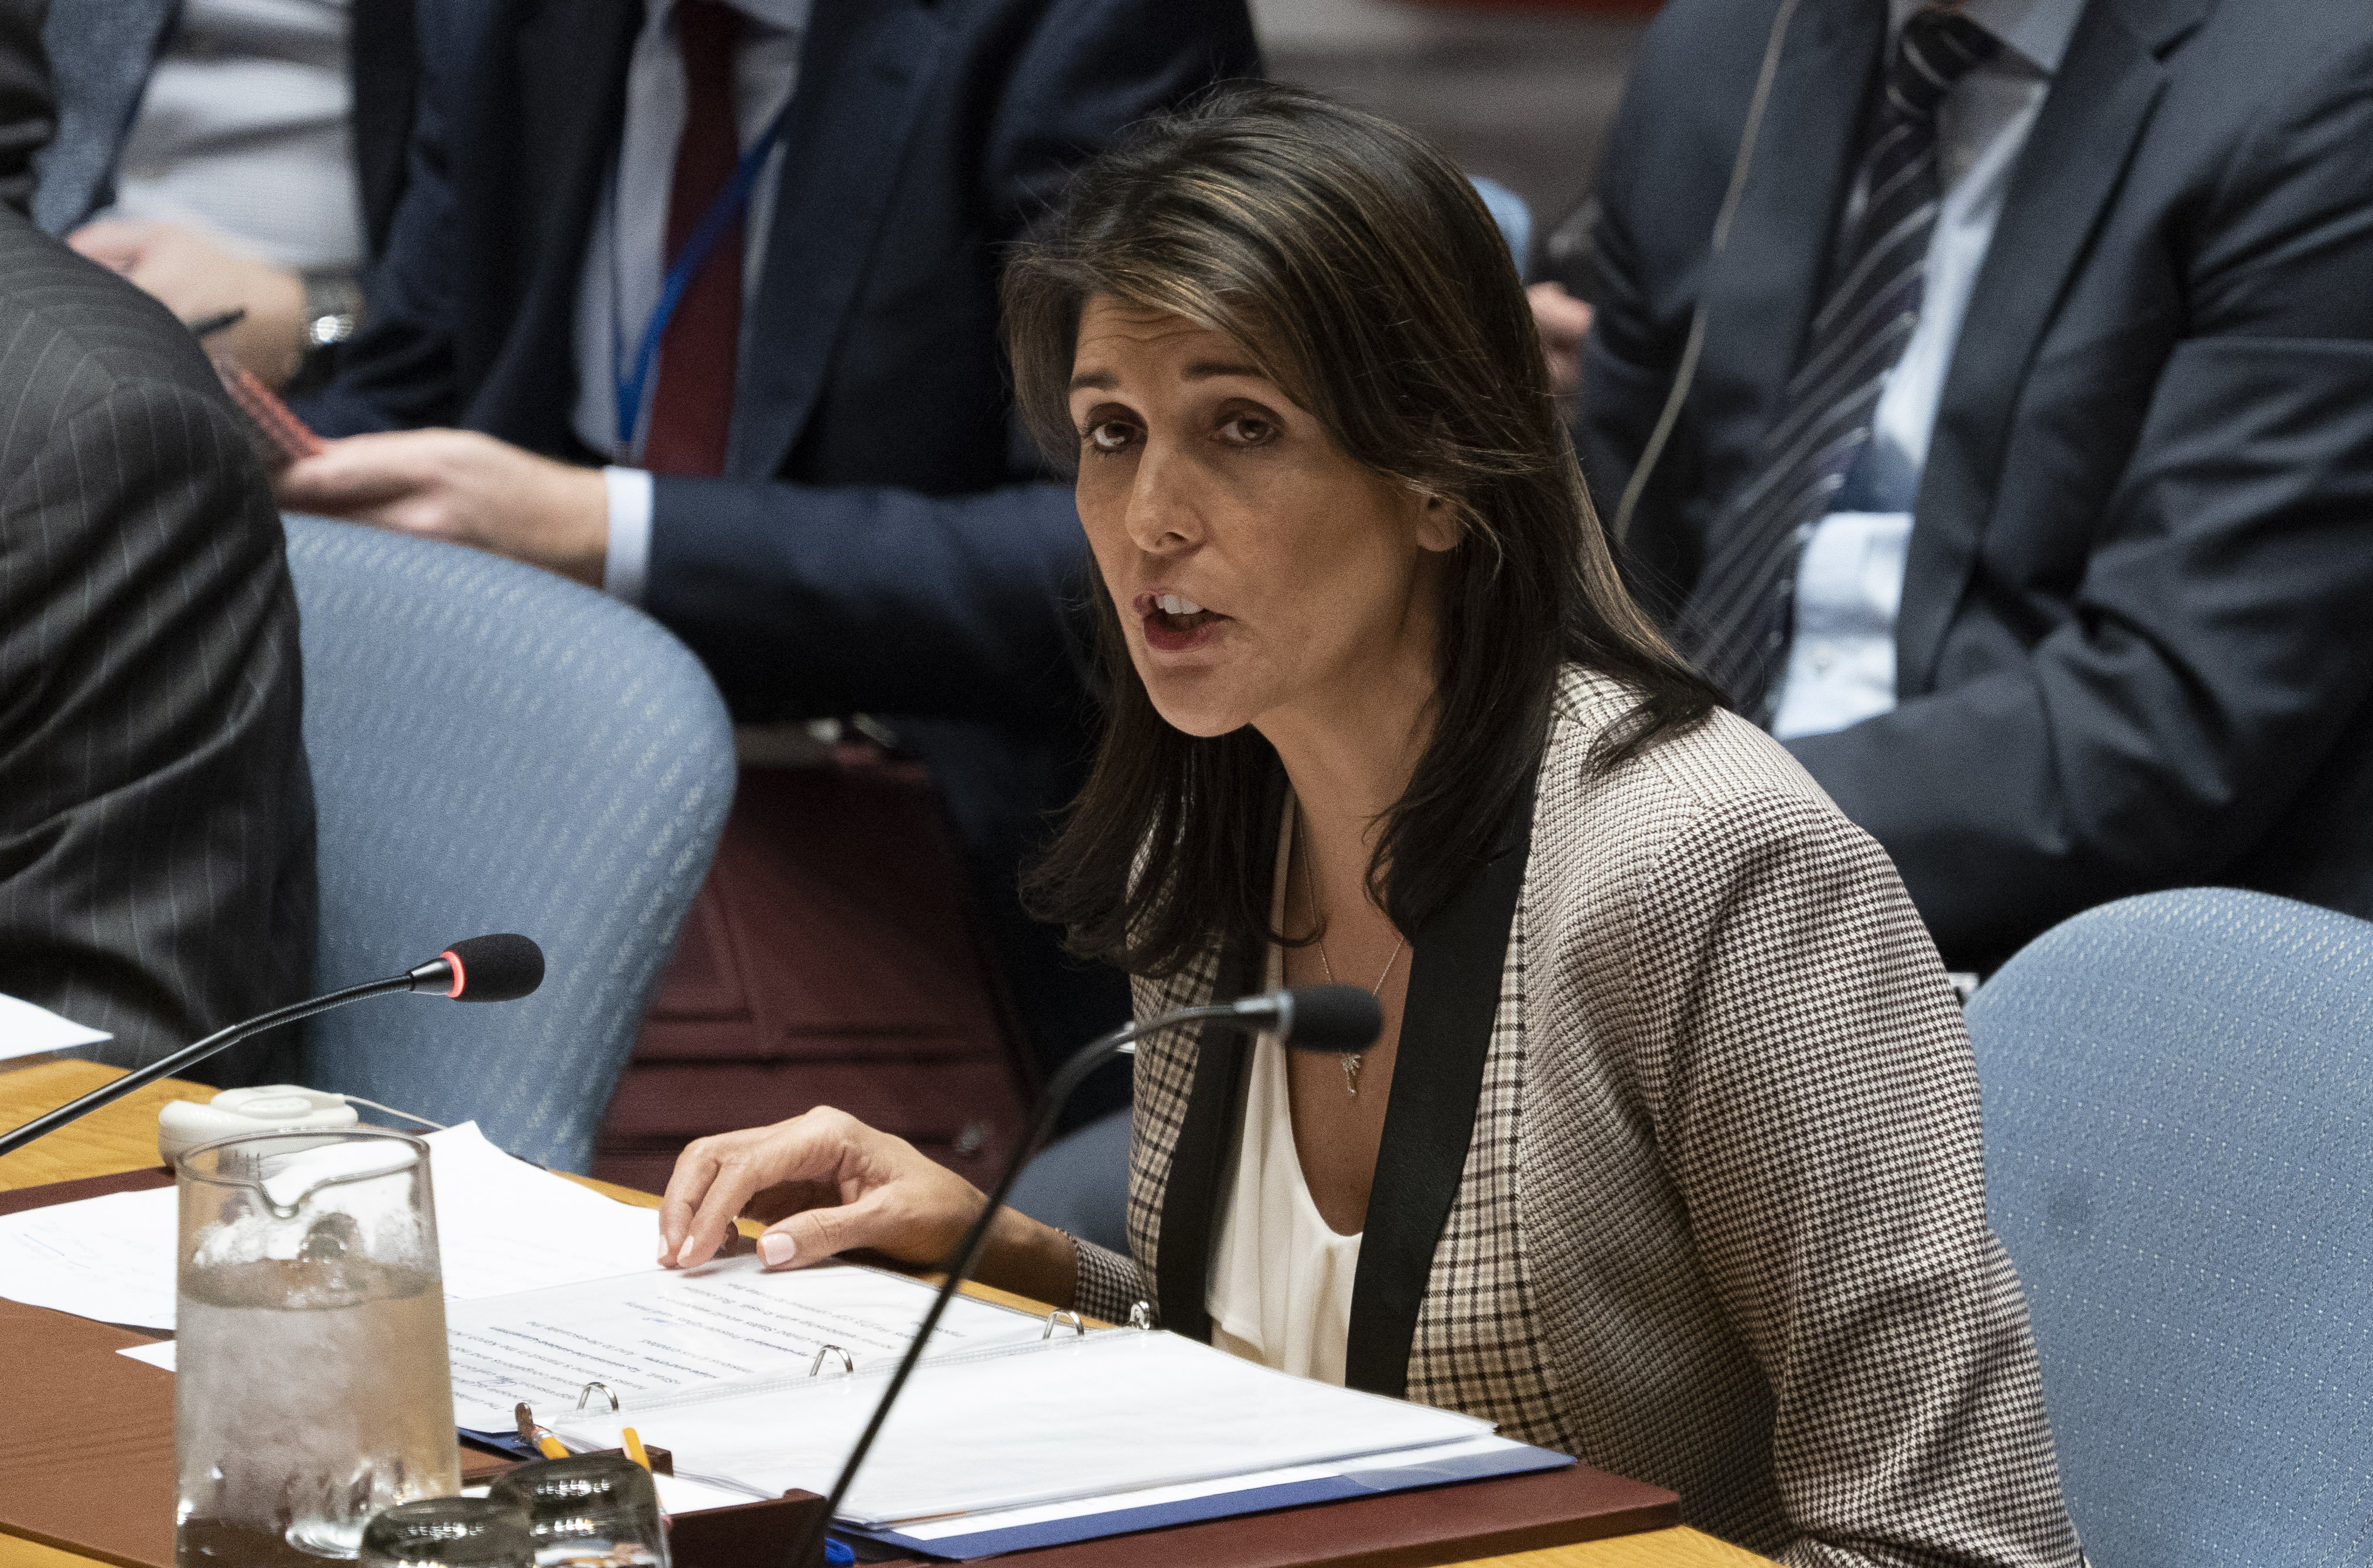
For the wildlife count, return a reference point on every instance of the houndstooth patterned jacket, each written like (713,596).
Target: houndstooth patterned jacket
(1719,1222)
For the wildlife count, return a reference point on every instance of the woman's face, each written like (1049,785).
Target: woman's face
(1260,573)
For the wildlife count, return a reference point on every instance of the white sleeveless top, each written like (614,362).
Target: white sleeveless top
(1281,1284)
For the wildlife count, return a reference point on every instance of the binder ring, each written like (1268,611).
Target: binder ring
(847,1362)
(1059,1315)
(587,1392)
(1140,1314)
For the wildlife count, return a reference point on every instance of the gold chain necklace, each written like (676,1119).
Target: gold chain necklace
(1352,1060)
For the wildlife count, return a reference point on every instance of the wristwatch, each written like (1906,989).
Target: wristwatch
(334,310)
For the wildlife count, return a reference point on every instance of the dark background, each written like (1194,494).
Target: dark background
(1522,93)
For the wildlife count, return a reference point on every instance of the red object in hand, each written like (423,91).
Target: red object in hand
(279,436)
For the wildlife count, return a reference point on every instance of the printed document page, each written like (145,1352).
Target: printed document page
(655,1333)
(1114,1412)
(502,1225)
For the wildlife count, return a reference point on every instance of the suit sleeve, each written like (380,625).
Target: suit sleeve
(2218,643)
(807,601)
(156,819)
(1816,1106)
(1110,1283)
(821,598)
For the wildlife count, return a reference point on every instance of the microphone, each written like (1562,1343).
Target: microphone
(1337,1020)
(503,967)
(481,968)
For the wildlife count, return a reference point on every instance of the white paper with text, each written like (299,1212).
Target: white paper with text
(656,1333)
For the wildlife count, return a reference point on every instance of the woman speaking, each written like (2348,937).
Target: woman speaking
(1679,1171)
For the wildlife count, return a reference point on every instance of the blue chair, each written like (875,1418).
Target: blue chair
(495,749)
(2178,1100)
(1080,1183)
(1512,213)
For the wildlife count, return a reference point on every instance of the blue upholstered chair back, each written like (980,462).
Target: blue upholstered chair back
(2179,1101)
(495,749)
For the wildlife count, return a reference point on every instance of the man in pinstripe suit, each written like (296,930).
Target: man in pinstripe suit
(156,816)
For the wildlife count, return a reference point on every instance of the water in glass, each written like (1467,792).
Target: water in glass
(312,1389)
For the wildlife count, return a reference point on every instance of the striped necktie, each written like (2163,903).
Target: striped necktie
(1736,623)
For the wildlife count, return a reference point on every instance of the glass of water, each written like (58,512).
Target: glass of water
(449,1532)
(589,1511)
(312,1389)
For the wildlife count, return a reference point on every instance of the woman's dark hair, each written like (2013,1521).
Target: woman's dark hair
(1363,275)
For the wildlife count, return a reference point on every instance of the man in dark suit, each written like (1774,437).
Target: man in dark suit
(815,480)
(2024,479)
(156,818)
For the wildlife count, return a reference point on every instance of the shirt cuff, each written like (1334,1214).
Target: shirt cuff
(627,568)
(1110,1283)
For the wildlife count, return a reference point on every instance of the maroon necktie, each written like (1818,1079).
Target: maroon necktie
(692,408)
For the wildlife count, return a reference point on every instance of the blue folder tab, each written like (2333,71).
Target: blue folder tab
(1369,1480)
(508,1442)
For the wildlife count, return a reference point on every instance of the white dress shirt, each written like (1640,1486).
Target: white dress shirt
(1850,579)
(626,253)
(242,130)
(1281,1279)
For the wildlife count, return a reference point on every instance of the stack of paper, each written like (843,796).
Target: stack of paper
(1112,1414)
(993,1532)
(502,1224)
(26,1030)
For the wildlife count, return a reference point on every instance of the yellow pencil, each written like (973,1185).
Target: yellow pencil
(551,1447)
(635,1449)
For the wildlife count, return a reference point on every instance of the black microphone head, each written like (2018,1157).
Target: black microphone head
(503,967)
(1341,1019)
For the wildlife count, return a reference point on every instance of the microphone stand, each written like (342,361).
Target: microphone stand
(1251,1012)
(187,1056)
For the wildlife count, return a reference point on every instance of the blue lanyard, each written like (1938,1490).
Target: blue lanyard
(704,237)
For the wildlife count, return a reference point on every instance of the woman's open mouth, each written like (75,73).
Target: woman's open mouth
(1174,622)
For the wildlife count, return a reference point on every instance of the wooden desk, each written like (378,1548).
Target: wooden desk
(123,1137)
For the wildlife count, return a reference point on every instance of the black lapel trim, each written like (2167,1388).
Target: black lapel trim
(2068,176)
(1198,1163)
(1190,1201)
(1454,997)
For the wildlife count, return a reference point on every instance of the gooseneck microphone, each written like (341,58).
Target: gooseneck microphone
(503,967)
(1337,1020)
(483,968)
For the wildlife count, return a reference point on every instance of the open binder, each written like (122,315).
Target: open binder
(1062,1440)
(86,1465)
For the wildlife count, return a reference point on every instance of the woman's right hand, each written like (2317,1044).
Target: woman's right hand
(853,1188)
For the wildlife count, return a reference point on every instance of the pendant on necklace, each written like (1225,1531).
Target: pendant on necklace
(1352,1073)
